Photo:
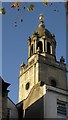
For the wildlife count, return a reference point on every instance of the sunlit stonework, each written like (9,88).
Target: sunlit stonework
(43,81)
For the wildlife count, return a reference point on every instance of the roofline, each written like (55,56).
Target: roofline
(11,101)
(4,81)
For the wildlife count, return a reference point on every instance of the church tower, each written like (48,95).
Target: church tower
(43,81)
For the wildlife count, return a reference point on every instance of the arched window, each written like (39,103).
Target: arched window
(53,83)
(31,49)
(48,48)
(40,46)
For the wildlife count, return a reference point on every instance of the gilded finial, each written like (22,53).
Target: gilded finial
(41,18)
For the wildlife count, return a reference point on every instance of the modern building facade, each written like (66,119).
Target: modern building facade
(43,88)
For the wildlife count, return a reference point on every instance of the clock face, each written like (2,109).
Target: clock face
(27,86)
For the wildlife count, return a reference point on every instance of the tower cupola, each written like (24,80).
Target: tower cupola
(42,40)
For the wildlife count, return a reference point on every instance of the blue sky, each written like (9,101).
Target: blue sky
(0,43)
(14,39)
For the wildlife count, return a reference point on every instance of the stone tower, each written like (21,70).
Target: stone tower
(43,78)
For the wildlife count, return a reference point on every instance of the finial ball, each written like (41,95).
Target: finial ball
(41,18)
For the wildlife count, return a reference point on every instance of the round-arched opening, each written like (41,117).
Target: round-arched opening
(27,86)
(40,46)
(48,48)
(53,83)
(31,49)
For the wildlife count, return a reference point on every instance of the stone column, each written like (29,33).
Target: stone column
(45,45)
(29,42)
(35,45)
(51,49)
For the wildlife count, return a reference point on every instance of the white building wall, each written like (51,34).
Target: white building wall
(50,106)
(50,102)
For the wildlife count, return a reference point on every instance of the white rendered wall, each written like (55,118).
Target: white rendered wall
(50,102)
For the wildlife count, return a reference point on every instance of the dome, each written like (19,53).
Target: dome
(48,34)
(43,32)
